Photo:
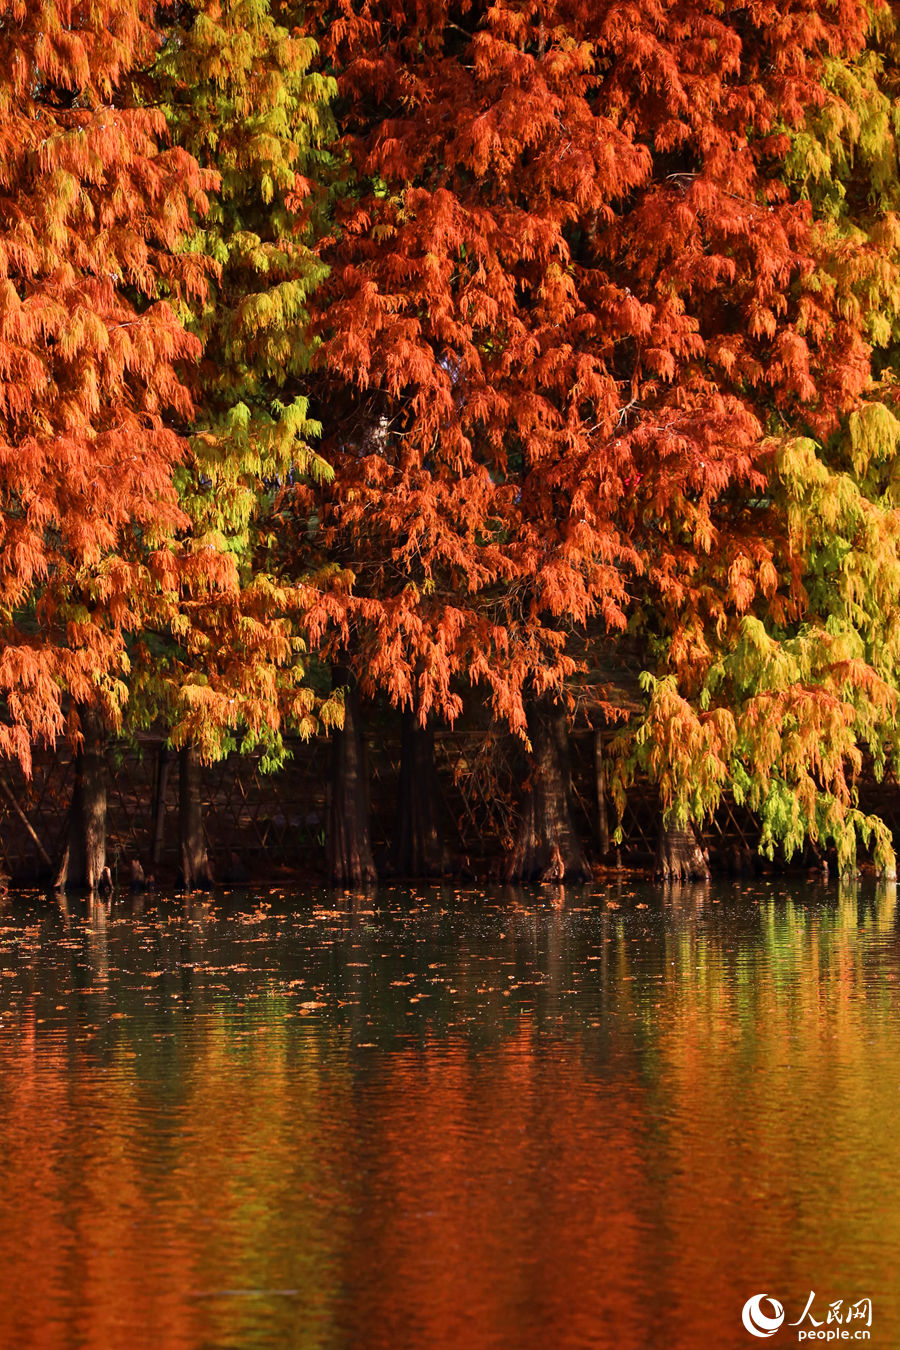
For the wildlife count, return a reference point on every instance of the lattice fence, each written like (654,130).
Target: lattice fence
(259,824)
(249,816)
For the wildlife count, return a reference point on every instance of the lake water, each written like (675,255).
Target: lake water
(440,1119)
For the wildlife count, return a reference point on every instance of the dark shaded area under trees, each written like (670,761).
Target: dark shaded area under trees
(466,805)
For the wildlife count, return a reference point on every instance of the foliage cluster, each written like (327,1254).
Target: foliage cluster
(459,347)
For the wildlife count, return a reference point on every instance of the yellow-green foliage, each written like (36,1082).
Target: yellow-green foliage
(242,98)
(796,688)
(785,712)
(239,94)
(844,161)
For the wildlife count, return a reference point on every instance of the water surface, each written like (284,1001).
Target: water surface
(447,1119)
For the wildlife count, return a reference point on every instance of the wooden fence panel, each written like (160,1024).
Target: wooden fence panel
(262,825)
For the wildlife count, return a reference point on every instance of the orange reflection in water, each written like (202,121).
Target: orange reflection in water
(670,1120)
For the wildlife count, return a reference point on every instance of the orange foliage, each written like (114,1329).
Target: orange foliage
(570,295)
(92,205)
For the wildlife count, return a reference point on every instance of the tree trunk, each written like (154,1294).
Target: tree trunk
(348,848)
(548,848)
(419,849)
(196,872)
(83,863)
(602,814)
(163,760)
(679,857)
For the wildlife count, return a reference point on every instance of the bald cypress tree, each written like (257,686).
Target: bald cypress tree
(93,352)
(582,320)
(239,95)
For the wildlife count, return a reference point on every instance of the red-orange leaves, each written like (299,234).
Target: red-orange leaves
(570,295)
(92,206)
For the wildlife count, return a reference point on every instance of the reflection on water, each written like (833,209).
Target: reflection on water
(445,1119)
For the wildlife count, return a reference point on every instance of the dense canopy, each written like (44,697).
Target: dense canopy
(449,358)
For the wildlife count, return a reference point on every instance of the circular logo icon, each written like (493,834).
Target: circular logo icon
(759,1323)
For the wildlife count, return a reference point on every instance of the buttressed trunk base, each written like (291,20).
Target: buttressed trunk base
(679,857)
(548,847)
